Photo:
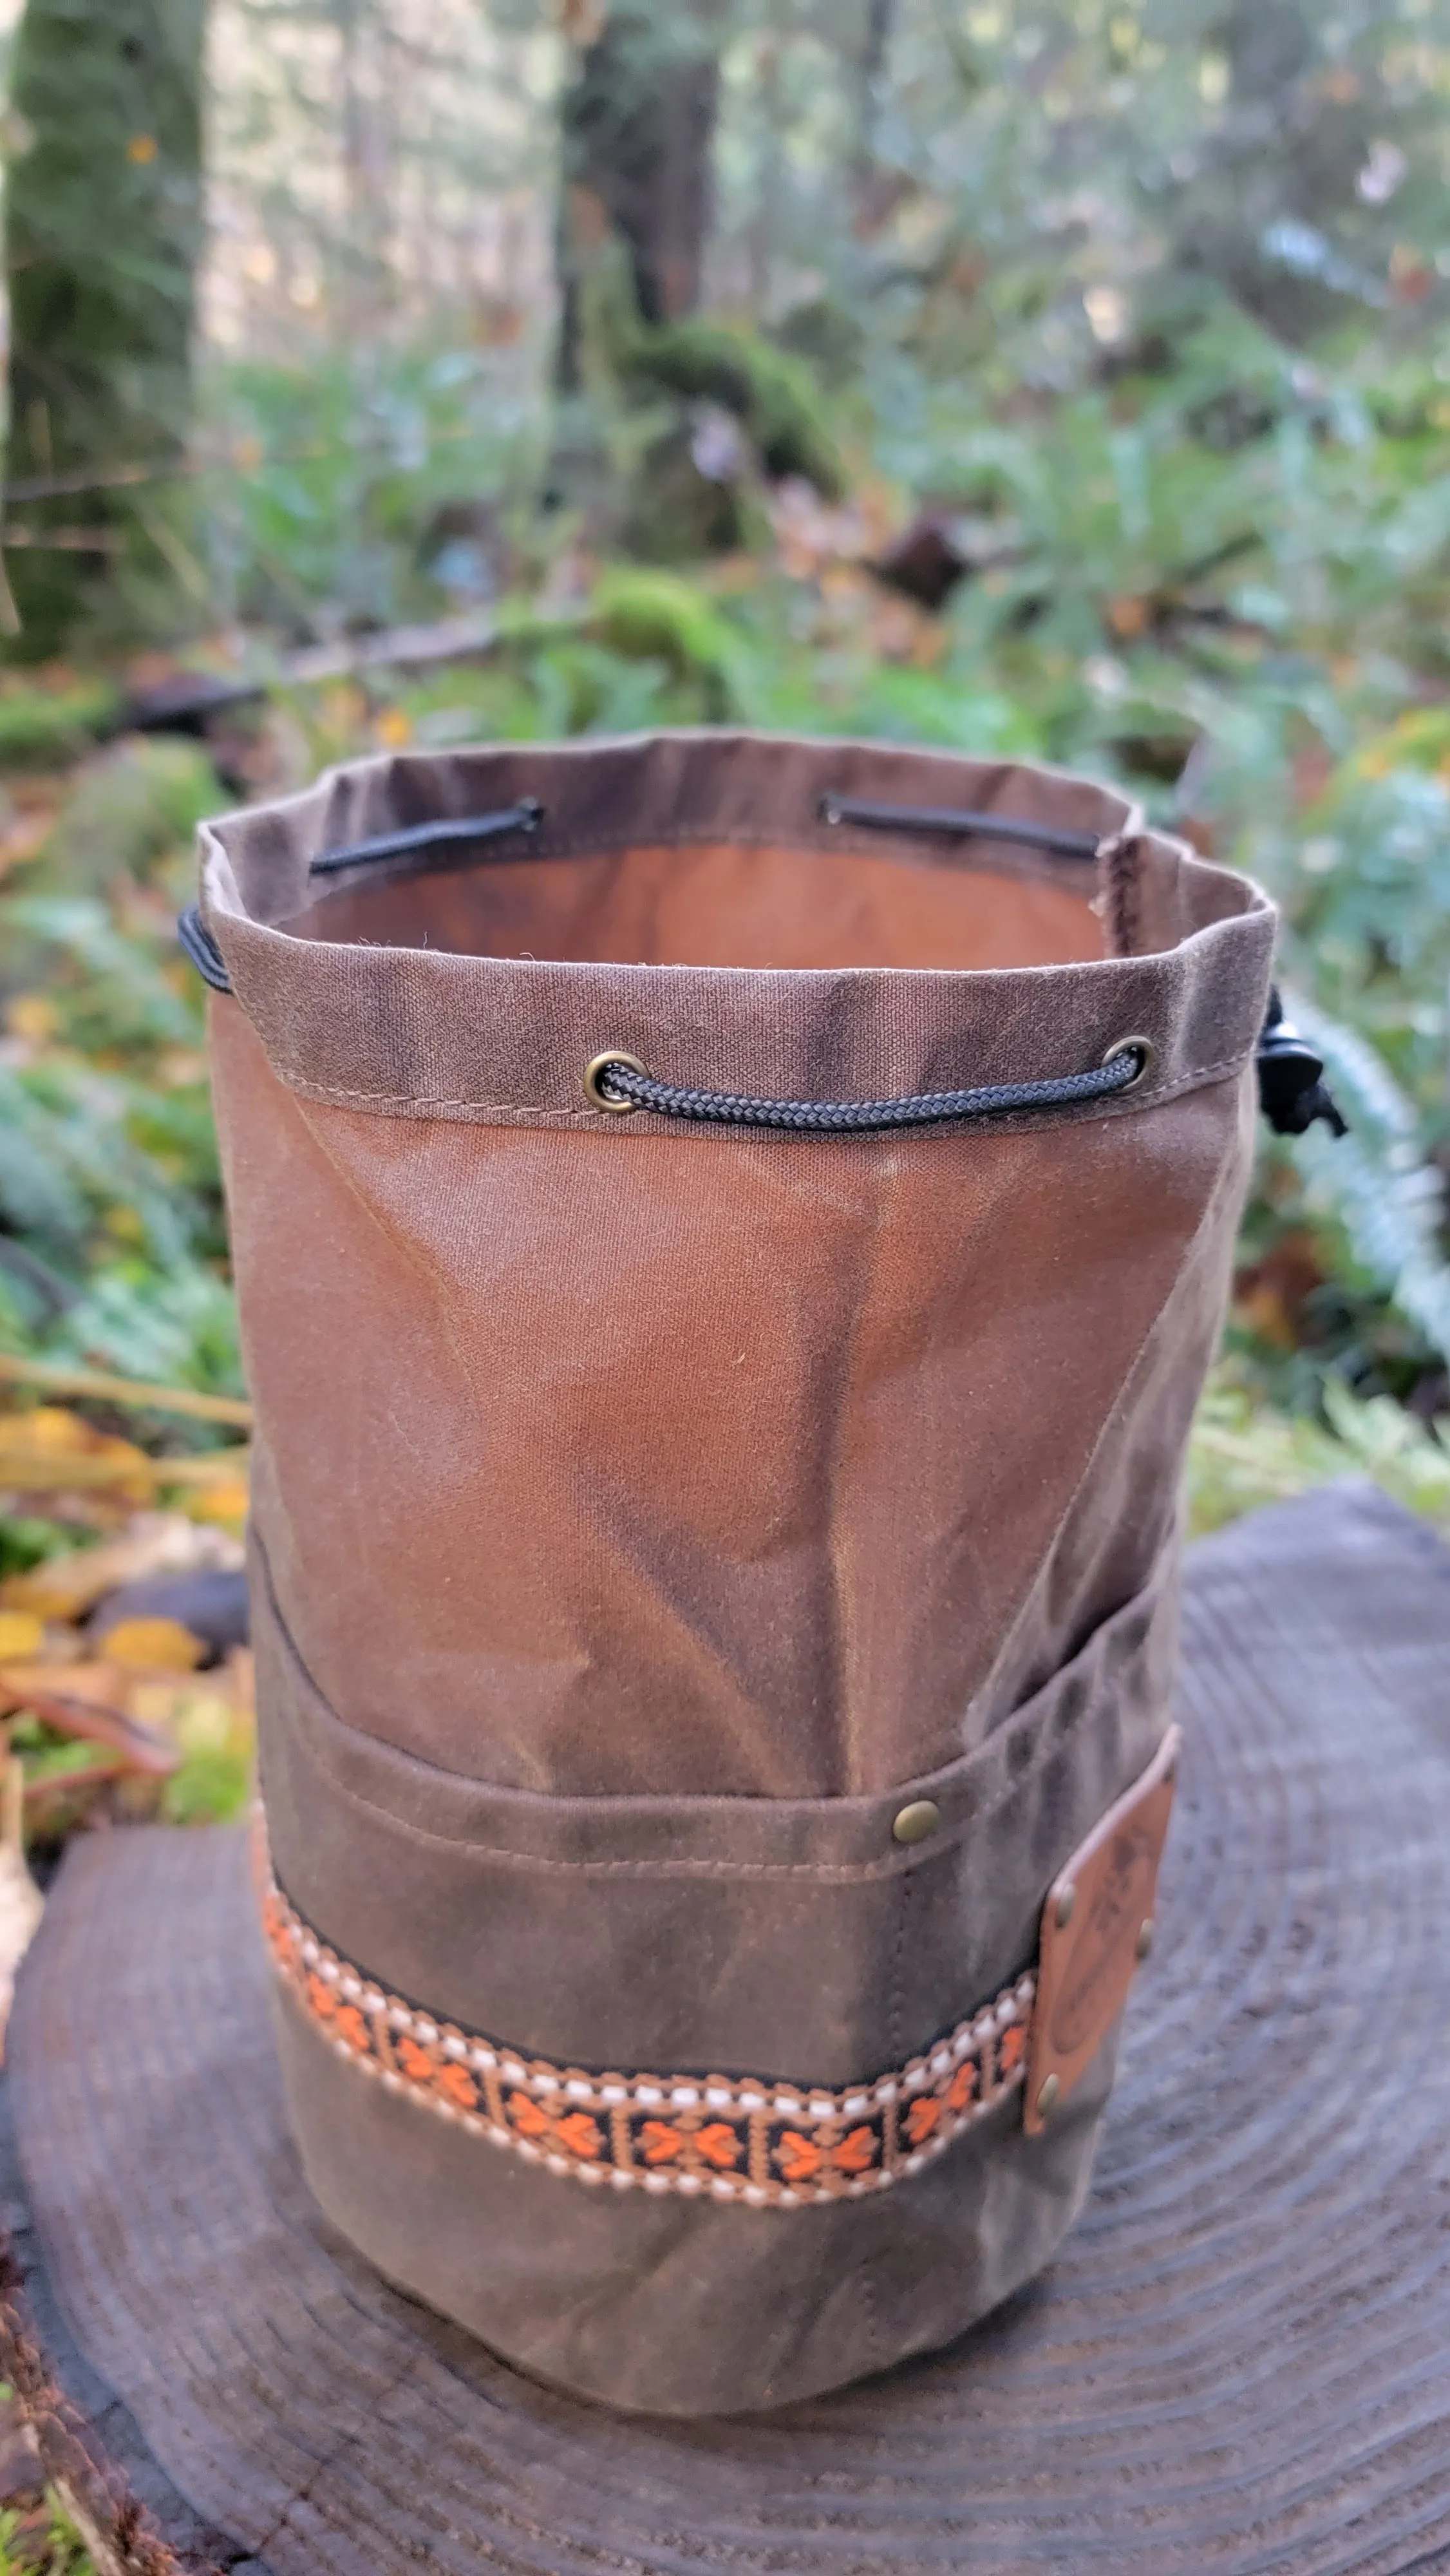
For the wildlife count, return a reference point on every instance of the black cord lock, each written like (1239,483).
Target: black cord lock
(1292,1092)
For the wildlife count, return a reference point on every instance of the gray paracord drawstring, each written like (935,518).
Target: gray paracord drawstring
(525,816)
(619,1082)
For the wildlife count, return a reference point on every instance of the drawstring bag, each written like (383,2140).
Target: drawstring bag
(729,1235)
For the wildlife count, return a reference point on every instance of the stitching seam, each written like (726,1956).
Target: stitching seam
(336,1096)
(827,1873)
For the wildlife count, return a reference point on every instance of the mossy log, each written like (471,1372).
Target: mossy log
(637,123)
(771,393)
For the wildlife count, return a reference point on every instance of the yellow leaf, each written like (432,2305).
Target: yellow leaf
(49,1430)
(141,149)
(50,1591)
(31,1017)
(394,729)
(22,1636)
(224,1504)
(157,1645)
(51,1448)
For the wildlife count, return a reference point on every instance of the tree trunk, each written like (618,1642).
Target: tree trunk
(363,81)
(104,230)
(638,127)
(870,73)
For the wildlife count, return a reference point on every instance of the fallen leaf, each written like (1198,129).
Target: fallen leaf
(210,1603)
(224,1505)
(154,1645)
(49,1430)
(31,1017)
(50,1449)
(22,1636)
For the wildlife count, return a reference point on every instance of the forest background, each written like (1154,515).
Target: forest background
(1067,379)
(1063,378)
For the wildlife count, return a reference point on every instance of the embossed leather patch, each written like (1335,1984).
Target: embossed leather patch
(1097,1924)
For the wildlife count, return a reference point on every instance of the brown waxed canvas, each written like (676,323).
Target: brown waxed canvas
(644,1513)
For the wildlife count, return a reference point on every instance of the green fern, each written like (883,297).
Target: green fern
(1377,1184)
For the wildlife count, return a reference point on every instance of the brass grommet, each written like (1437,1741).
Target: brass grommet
(595,1069)
(1065,1904)
(1047,2096)
(915,1822)
(1145,1938)
(1143,1049)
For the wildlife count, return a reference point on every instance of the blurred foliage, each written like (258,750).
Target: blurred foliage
(119,1711)
(1140,310)
(103,233)
(40,2539)
(112,1245)
(1244,1455)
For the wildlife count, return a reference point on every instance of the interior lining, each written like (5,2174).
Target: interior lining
(723,903)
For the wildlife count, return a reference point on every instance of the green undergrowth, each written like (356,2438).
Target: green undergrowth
(42,2541)
(1218,582)
(1244,1454)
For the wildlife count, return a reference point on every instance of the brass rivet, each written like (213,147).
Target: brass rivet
(1047,2096)
(594,1072)
(1065,1904)
(918,1820)
(1145,1938)
(1143,1049)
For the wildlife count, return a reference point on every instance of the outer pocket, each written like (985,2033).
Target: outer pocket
(795,1939)
(816,1951)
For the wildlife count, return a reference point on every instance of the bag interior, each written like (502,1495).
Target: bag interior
(724,904)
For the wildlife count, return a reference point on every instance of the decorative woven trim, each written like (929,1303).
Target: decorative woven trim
(771,2145)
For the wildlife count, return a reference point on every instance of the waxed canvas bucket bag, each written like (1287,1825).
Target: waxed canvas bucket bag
(729,1235)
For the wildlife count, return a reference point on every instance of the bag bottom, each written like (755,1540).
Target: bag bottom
(685,2308)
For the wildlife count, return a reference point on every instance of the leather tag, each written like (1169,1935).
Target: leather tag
(1097,1924)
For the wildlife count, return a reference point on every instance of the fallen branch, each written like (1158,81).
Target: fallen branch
(59,1380)
(409,648)
(187,700)
(53,1694)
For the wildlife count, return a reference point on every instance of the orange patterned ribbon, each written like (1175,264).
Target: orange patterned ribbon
(753,2139)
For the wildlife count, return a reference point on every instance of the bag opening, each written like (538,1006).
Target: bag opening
(722,903)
